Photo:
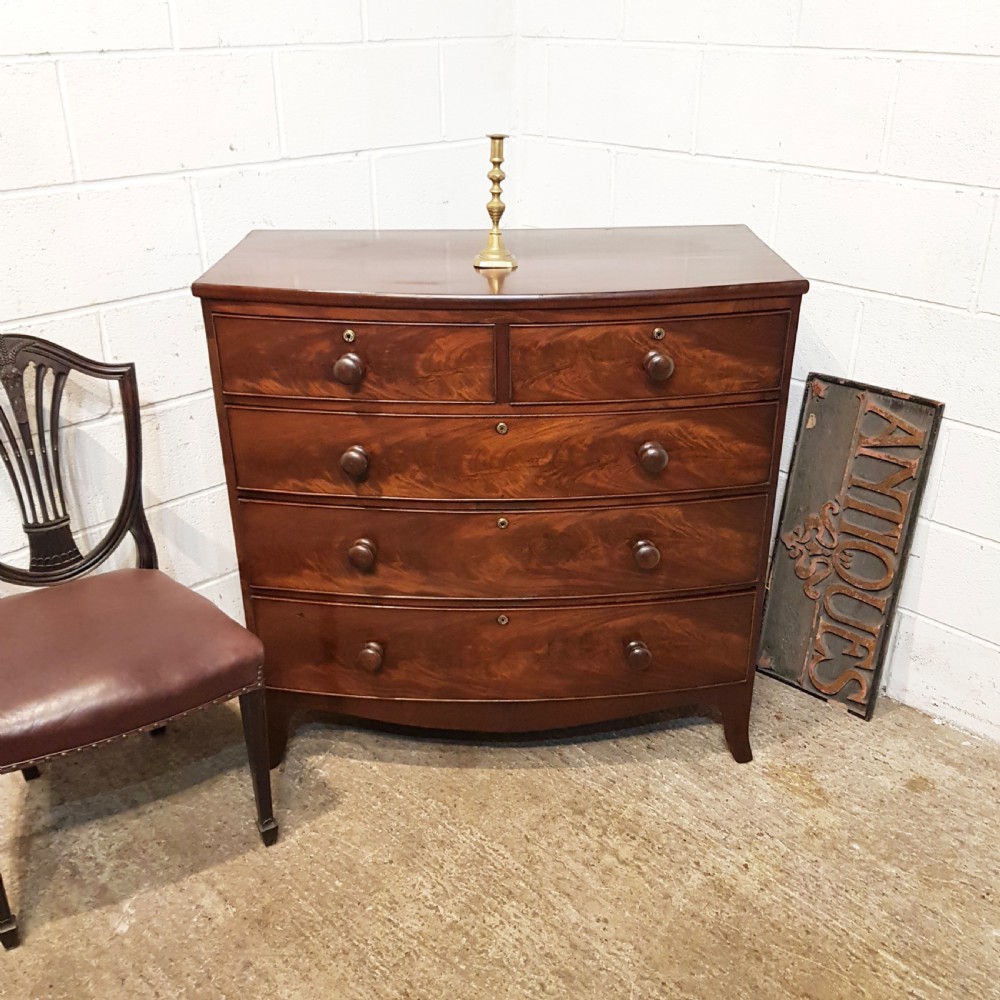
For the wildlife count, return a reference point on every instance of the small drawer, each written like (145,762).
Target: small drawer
(643,549)
(500,653)
(651,359)
(503,457)
(365,361)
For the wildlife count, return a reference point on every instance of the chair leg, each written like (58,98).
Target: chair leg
(254,712)
(9,936)
(30,773)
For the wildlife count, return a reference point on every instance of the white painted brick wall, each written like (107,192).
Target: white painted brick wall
(356,98)
(591,19)
(989,294)
(34,145)
(133,115)
(770,22)
(922,242)
(325,194)
(39,26)
(971,27)
(475,84)
(794,107)
(226,23)
(78,246)
(629,96)
(396,19)
(944,122)
(138,142)
(436,183)
(693,190)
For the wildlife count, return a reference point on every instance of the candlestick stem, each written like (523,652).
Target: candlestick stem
(495,253)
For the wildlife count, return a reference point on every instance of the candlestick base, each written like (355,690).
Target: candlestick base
(495,254)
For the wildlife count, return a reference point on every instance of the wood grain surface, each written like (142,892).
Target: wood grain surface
(514,504)
(712,355)
(702,545)
(284,357)
(558,268)
(465,458)
(539,653)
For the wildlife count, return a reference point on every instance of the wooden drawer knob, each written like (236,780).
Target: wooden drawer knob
(646,554)
(370,657)
(653,457)
(637,655)
(349,369)
(659,367)
(355,462)
(363,554)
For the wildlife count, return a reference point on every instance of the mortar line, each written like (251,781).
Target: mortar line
(279,111)
(817,170)
(977,293)
(954,630)
(125,181)
(172,24)
(890,118)
(68,125)
(199,227)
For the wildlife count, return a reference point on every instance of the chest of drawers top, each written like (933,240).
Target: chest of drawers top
(558,267)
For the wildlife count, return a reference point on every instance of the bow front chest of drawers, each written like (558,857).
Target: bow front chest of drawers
(503,501)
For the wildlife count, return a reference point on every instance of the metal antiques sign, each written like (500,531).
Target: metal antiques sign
(861,460)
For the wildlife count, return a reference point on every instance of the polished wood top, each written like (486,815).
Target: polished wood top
(434,267)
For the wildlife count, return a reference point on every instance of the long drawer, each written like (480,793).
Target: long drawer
(376,361)
(700,545)
(503,458)
(499,653)
(649,359)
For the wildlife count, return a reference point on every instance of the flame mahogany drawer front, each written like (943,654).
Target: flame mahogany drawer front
(537,653)
(655,359)
(504,502)
(537,458)
(376,361)
(707,544)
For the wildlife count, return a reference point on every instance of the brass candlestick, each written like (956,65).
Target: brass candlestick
(495,254)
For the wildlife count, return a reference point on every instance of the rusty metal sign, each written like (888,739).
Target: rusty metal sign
(861,460)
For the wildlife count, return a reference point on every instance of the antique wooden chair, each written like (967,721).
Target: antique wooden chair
(92,660)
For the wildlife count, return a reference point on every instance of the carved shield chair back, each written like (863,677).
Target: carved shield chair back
(88,658)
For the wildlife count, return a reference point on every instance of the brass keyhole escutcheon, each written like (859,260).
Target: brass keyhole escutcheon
(350,336)
(502,619)
(502,522)
(659,333)
(502,428)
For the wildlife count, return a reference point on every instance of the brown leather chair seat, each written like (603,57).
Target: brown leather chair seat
(94,658)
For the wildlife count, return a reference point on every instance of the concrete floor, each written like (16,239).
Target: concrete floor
(849,860)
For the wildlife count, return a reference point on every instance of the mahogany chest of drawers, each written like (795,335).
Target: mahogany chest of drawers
(503,502)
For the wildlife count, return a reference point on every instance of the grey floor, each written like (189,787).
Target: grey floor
(848,860)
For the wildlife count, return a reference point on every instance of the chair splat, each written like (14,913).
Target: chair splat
(34,470)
